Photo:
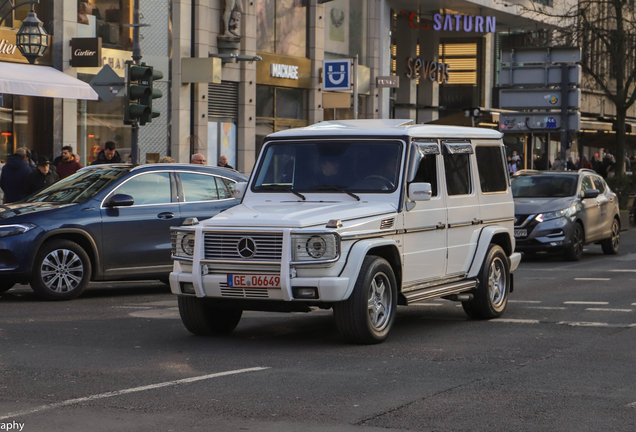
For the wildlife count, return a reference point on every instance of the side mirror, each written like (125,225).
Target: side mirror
(590,193)
(420,191)
(239,189)
(119,200)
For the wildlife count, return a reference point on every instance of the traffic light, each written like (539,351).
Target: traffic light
(137,92)
(147,98)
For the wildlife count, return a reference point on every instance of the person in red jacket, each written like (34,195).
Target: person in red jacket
(68,164)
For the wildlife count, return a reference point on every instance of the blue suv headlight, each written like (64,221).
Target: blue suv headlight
(9,230)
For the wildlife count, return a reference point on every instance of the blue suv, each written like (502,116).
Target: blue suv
(106,222)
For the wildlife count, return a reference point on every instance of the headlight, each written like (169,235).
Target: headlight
(568,212)
(9,230)
(315,247)
(183,243)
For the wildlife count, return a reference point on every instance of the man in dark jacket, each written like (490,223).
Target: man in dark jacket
(108,155)
(41,178)
(69,163)
(13,176)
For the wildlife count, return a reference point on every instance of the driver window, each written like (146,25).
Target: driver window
(586,184)
(151,188)
(427,172)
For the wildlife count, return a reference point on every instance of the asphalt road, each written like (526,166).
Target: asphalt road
(118,358)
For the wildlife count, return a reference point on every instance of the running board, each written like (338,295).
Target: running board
(428,293)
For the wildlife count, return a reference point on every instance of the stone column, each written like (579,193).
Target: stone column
(181,39)
(316,28)
(374,60)
(489,70)
(202,25)
(428,91)
(246,133)
(406,41)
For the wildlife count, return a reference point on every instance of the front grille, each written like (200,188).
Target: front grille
(224,246)
(242,292)
(520,219)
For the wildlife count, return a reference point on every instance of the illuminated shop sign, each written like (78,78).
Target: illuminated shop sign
(425,69)
(283,71)
(456,22)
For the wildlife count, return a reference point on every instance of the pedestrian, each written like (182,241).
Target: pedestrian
(41,178)
(571,166)
(512,165)
(543,163)
(167,159)
(585,164)
(223,163)
(69,163)
(197,159)
(108,155)
(14,175)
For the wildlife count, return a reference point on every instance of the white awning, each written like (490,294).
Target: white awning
(42,81)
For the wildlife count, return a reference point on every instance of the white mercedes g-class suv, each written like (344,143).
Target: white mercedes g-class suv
(360,216)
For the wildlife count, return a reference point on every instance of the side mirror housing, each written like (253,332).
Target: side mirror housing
(239,189)
(420,191)
(119,200)
(590,193)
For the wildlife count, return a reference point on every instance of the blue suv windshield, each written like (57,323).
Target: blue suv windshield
(79,187)
(352,166)
(544,186)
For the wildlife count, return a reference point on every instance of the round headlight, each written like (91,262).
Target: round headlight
(187,244)
(316,247)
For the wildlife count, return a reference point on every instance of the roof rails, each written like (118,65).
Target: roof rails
(527,172)
(584,170)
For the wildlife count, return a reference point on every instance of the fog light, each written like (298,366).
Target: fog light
(187,288)
(553,244)
(305,292)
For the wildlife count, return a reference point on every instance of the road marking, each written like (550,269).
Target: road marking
(592,279)
(518,321)
(608,310)
(623,271)
(593,324)
(524,301)
(546,307)
(126,391)
(632,405)
(585,303)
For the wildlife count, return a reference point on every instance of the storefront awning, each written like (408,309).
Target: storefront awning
(42,81)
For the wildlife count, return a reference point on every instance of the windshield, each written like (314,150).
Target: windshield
(79,187)
(544,186)
(334,167)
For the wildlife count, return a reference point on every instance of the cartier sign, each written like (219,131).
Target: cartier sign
(86,52)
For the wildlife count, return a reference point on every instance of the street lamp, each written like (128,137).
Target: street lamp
(32,40)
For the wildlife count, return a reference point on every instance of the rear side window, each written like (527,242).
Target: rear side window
(457,168)
(224,192)
(149,188)
(492,174)
(198,187)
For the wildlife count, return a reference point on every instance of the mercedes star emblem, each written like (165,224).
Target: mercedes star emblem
(246,247)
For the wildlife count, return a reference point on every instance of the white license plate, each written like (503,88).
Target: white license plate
(521,233)
(253,281)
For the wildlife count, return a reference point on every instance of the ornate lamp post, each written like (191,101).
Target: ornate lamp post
(32,40)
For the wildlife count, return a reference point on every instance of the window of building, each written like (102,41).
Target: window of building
(282,27)
(492,173)
(106,19)
(457,169)
(151,188)
(44,11)
(25,121)
(346,29)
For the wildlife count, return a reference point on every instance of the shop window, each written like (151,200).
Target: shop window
(106,19)
(221,142)
(44,11)
(282,27)
(462,61)
(346,29)
(26,121)
(492,174)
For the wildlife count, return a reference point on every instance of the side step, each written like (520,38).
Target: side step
(428,293)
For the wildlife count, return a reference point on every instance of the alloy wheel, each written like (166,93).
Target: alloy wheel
(380,301)
(62,270)
(497,282)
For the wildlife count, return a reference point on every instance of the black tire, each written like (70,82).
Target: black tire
(202,318)
(6,286)
(61,270)
(610,245)
(574,251)
(367,316)
(491,297)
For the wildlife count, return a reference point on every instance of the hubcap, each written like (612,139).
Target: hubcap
(616,235)
(62,270)
(497,282)
(380,301)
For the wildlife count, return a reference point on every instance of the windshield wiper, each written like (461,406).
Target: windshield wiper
(283,188)
(335,188)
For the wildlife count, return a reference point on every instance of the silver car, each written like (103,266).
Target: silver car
(564,211)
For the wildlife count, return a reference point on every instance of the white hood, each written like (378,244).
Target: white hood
(297,214)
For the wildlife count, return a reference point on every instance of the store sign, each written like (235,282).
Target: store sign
(11,53)
(6,47)
(86,52)
(283,71)
(466,23)
(425,69)
(116,59)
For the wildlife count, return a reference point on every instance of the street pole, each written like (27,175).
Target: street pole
(355,87)
(136,55)
(565,102)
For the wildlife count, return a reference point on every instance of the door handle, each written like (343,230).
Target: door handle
(440,225)
(165,215)
(476,221)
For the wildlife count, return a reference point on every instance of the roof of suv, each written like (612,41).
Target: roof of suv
(387,127)
(528,172)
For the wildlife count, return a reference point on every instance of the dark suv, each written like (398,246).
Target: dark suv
(563,211)
(106,222)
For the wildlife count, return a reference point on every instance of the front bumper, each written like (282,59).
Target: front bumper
(552,236)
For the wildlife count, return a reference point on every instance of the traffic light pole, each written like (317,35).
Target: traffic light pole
(136,55)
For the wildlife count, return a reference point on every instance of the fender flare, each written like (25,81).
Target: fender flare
(96,271)
(485,238)
(356,257)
